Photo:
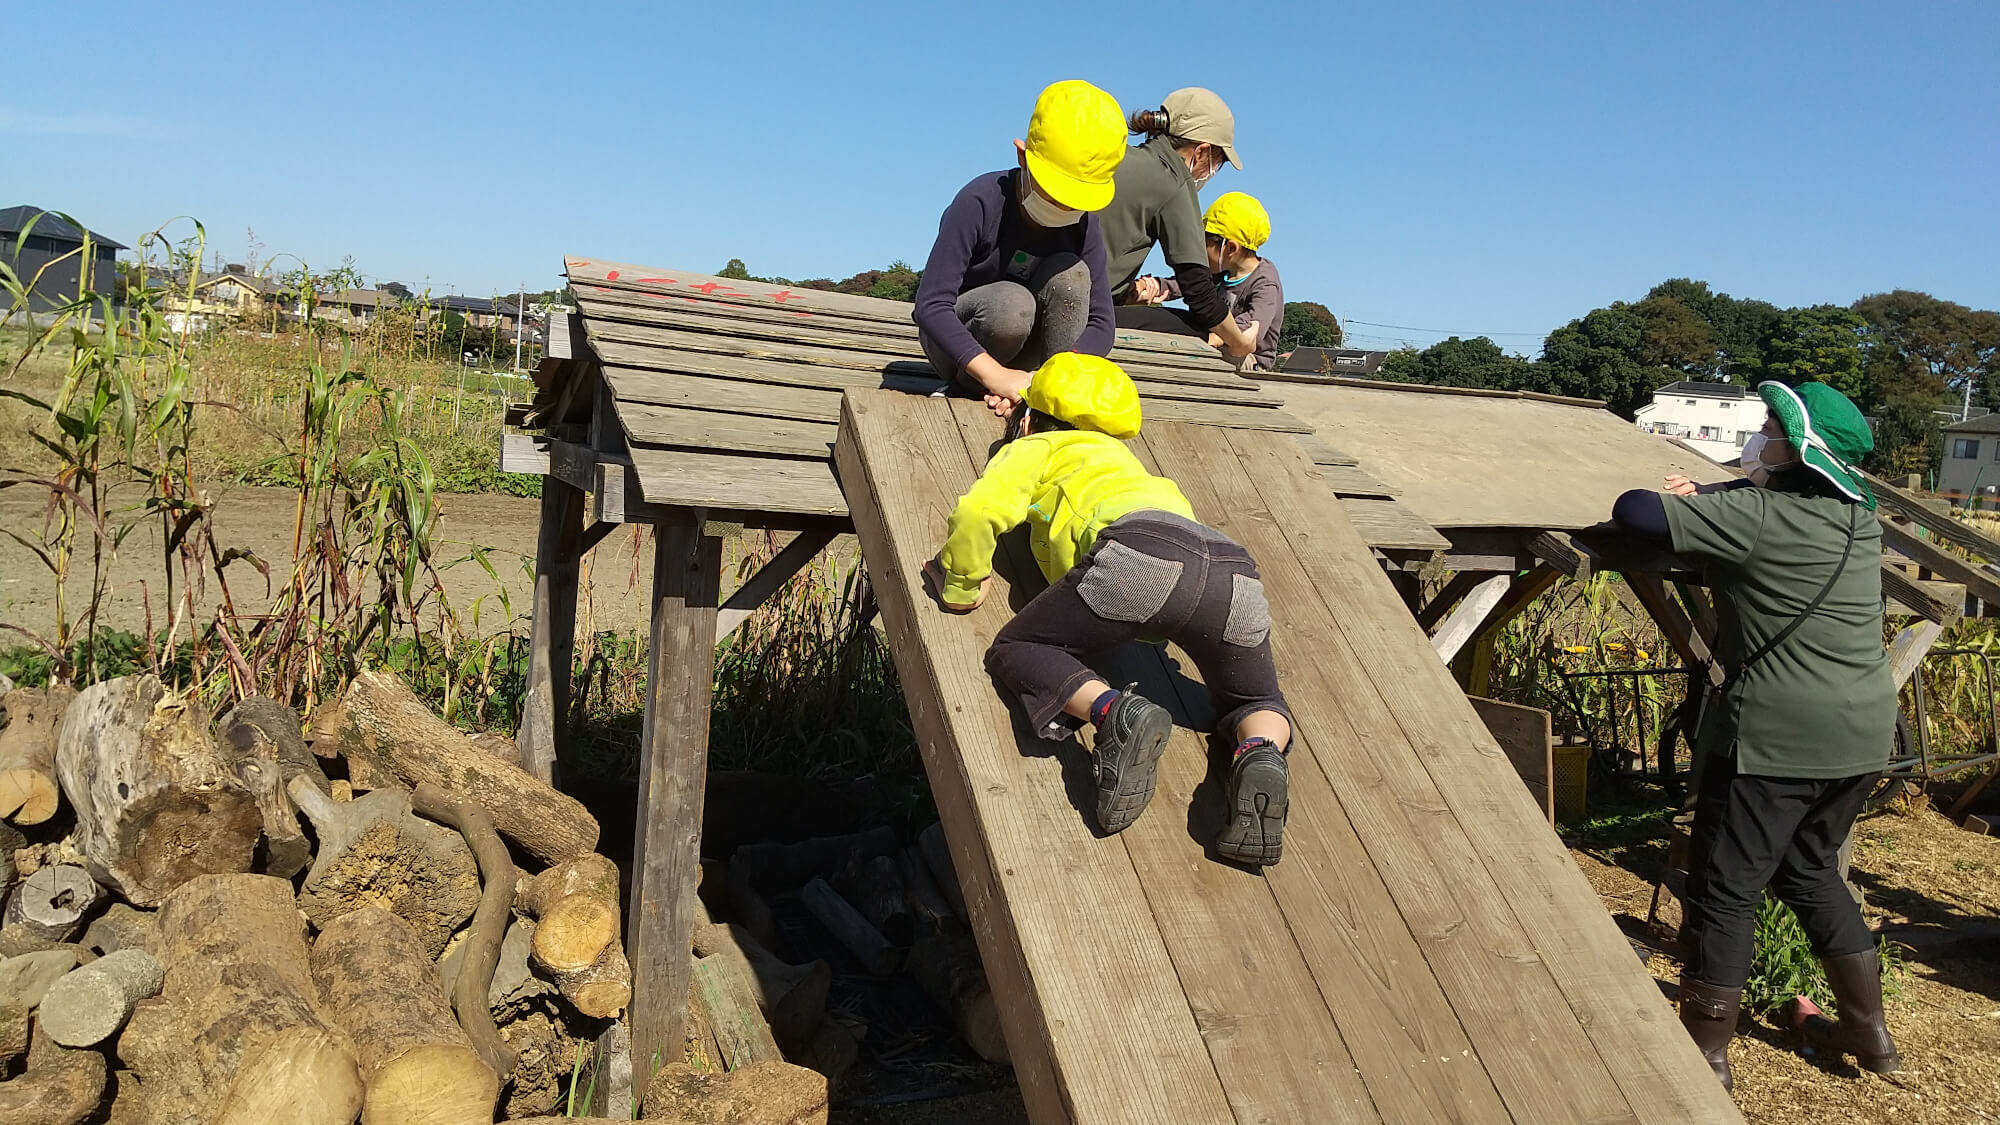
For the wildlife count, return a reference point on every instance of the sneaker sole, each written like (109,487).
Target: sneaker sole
(1256,831)
(1120,805)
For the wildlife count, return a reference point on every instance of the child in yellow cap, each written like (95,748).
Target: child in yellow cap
(1236,226)
(1017,273)
(1126,559)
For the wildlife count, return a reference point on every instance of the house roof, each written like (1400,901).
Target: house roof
(1701,389)
(356,298)
(1349,362)
(1984,424)
(259,284)
(48,224)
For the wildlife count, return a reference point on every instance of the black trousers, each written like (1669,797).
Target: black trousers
(1151,574)
(1753,832)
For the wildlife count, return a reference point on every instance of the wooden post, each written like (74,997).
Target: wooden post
(687,566)
(552,635)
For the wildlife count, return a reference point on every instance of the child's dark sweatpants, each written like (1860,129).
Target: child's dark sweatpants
(1150,574)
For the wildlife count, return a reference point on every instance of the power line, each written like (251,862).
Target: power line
(1438,331)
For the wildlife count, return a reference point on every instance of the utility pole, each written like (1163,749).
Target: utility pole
(520,314)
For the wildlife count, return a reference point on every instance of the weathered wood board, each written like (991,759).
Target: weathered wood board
(1425,952)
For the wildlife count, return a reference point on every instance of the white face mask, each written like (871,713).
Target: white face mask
(1201,179)
(1043,211)
(1757,466)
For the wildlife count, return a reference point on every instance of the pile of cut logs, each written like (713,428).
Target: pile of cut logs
(220,921)
(894,909)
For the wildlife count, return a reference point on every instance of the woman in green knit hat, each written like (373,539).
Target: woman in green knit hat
(1801,728)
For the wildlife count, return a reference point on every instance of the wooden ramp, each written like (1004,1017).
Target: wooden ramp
(1425,952)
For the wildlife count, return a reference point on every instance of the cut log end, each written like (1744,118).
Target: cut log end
(28,796)
(434,1084)
(574,934)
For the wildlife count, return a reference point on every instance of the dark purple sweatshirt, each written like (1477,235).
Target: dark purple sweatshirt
(982,238)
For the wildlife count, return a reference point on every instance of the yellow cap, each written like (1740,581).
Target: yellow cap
(1238,218)
(1075,140)
(1087,391)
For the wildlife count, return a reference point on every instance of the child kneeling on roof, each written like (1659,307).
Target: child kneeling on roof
(1126,559)
(1237,226)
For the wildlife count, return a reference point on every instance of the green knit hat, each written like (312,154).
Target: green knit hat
(1828,430)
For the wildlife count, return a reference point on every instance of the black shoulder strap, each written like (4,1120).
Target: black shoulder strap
(1818,599)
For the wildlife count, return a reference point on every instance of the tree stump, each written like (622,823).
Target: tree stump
(29,719)
(260,740)
(418,1065)
(373,851)
(577,925)
(156,805)
(236,1036)
(51,903)
(378,721)
(90,1004)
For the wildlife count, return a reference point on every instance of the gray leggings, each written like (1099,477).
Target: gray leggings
(1021,325)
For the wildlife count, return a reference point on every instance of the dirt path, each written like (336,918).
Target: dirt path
(260,520)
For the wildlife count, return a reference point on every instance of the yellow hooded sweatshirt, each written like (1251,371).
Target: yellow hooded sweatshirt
(1068,485)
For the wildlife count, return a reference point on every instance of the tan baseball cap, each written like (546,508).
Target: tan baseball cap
(1196,114)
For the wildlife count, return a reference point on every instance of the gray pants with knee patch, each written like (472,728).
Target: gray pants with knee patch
(1021,323)
(1150,574)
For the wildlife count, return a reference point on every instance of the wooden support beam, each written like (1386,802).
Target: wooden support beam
(552,628)
(1464,622)
(1559,552)
(687,571)
(1461,584)
(1408,587)
(1700,611)
(1525,735)
(1674,625)
(1908,648)
(1977,580)
(1477,668)
(1938,523)
(594,534)
(768,579)
(1940,602)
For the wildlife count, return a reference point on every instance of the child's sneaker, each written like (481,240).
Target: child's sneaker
(1128,747)
(1259,796)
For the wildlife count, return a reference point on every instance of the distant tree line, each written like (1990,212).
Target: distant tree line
(1900,355)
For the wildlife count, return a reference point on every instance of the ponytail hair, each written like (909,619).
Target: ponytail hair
(1152,122)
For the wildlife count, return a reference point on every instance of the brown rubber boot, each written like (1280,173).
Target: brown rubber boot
(1709,1014)
(1860,1031)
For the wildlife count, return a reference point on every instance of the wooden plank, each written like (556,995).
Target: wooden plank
(821,332)
(1454,591)
(1525,736)
(1940,602)
(769,579)
(1520,1027)
(1977,580)
(1475,791)
(1260,417)
(905,375)
(524,453)
(605,278)
(1465,621)
(723,480)
(1908,648)
(1096,1024)
(1322,453)
(1561,553)
(725,395)
(565,336)
(1427,388)
(848,354)
(1392,1015)
(1931,519)
(1349,480)
(673,767)
(1389,525)
(1266,1025)
(551,629)
(646,424)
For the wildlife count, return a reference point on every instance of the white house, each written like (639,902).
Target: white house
(1714,418)
(1971,457)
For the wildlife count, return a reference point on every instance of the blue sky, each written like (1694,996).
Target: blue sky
(1471,168)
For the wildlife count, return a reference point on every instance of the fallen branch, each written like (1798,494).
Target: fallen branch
(489,921)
